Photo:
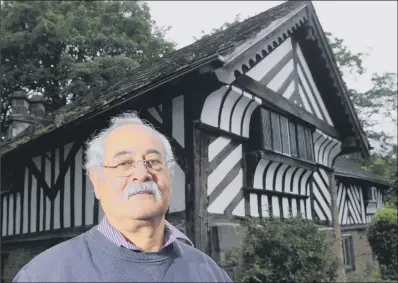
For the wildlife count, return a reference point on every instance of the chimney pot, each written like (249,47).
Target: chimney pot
(37,108)
(19,118)
(19,104)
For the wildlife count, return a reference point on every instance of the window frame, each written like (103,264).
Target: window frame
(348,252)
(296,149)
(372,194)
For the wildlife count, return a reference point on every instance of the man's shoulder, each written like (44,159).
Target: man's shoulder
(65,249)
(54,258)
(190,253)
(202,261)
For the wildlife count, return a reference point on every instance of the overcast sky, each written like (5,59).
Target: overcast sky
(365,26)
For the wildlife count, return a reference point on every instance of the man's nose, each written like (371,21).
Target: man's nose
(141,173)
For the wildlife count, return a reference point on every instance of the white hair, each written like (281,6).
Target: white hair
(96,146)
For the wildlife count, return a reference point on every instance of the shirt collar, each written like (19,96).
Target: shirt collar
(171,234)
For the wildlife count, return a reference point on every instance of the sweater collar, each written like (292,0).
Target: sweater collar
(171,234)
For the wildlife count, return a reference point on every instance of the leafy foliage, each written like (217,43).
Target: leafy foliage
(383,238)
(370,274)
(346,59)
(375,106)
(285,251)
(386,167)
(64,49)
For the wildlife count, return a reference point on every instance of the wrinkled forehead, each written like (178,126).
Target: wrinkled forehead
(134,140)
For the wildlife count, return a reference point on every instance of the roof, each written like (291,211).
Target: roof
(346,168)
(220,47)
(153,74)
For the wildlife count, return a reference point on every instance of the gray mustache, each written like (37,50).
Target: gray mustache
(145,187)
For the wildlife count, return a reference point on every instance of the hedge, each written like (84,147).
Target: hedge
(383,237)
(291,250)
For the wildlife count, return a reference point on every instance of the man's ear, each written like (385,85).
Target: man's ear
(95,179)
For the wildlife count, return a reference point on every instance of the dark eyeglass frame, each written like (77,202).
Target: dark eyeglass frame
(147,166)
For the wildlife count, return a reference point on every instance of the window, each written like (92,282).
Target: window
(292,134)
(348,253)
(266,122)
(302,149)
(372,194)
(276,133)
(280,134)
(284,123)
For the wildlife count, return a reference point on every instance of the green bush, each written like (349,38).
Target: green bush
(383,237)
(370,274)
(285,251)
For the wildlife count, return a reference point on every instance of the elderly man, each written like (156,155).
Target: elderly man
(130,165)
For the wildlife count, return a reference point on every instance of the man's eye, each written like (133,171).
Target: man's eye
(125,164)
(153,161)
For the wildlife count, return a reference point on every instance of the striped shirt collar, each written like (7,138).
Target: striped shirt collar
(171,234)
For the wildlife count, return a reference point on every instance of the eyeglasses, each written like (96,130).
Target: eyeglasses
(154,164)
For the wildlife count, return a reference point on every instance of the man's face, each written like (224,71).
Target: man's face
(125,148)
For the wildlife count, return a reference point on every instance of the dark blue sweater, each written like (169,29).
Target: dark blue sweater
(92,257)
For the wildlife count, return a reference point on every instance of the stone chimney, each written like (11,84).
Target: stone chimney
(19,119)
(20,103)
(37,108)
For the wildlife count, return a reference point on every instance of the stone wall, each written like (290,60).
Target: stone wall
(363,259)
(225,239)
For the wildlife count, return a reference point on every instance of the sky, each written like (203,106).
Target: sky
(365,26)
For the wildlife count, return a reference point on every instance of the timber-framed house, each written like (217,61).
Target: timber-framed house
(260,122)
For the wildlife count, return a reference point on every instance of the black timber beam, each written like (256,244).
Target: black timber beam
(361,180)
(271,98)
(277,157)
(339,85)
(347,228)
(62,234)
(274,193)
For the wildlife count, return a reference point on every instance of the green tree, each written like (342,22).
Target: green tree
(292,250)
(383,238)
(375,106)
(65,49)
(345,58)
(386,167)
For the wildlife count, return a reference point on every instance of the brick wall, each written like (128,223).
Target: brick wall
(19,254)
